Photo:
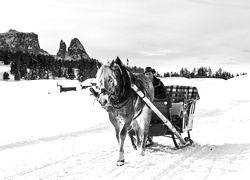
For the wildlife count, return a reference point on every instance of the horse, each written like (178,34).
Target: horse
(125,108)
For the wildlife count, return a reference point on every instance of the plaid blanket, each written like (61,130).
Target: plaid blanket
(192,92)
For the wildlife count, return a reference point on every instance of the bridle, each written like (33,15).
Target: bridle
(118,95)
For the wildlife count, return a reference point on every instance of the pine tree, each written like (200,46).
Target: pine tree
(71,73)
(6,57)
(166,74)
(210,72)
(23,71)
(202,72)
(6,76)
(59,69)
(81,71)
(14,71)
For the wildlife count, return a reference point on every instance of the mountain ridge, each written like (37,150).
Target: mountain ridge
(28,42)
(19,41)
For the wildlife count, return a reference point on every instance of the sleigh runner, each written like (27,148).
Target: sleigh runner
(176,113)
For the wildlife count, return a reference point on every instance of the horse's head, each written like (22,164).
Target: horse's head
(113,84)
(106,83)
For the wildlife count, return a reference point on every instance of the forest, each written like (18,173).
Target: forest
(32,67)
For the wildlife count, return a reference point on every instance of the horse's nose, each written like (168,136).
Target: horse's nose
(103,102)
(103,99)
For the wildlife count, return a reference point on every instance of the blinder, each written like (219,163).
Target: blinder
(104,91)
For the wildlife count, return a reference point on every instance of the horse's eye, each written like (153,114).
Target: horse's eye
(110,80)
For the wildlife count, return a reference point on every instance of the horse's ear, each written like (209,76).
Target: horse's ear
(112,64)
(118,61)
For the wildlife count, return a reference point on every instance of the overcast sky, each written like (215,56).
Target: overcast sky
(164,34)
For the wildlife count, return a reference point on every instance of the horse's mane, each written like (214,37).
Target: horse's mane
(124,83)
(128,77)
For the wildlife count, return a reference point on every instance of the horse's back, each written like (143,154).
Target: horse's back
(145,85)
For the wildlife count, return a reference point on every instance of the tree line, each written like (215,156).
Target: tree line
(32,67)
(202,72)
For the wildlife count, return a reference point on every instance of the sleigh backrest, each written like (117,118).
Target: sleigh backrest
(181,93)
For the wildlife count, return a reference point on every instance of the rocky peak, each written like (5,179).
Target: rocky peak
(62,50)
(75,45)
(20,41)
(75,51)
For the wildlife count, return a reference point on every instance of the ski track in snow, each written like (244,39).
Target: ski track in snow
(221,150)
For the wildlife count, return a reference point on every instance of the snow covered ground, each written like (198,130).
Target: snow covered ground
(50,135)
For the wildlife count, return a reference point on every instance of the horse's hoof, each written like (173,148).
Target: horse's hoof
(142,153)
(120,162)
(149,143)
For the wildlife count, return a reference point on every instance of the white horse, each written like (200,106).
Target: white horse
(125,108)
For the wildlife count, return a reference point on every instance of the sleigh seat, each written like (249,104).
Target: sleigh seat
(178,107)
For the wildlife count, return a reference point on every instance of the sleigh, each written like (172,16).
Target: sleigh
(178,107)
(174,114)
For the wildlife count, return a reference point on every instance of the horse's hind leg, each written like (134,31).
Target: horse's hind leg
(133,140)
(138,137)
(137,132)
(143,145)
(146,118)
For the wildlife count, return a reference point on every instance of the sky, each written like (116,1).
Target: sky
(164,34)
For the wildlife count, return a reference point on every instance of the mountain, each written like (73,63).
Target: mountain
(19,41)
(15,41)
(75,51)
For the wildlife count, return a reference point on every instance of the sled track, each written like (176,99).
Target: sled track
(172,169)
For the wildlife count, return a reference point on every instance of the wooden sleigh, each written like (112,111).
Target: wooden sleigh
(173,115)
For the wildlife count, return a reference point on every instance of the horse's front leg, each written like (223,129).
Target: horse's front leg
(123,133)
(120,131)
(118,126)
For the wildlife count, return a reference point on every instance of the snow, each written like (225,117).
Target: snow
(50,135)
